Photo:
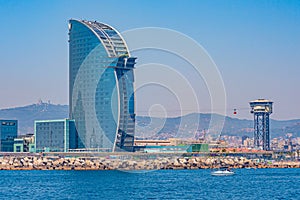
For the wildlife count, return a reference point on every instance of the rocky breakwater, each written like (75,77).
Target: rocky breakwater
(107,163)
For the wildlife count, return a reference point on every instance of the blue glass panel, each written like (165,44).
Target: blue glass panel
(101,104)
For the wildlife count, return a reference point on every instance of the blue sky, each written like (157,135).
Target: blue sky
(255,44)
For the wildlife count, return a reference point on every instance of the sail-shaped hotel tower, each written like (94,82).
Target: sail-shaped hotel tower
(101,87)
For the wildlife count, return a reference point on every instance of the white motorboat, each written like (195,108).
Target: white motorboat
(225,172)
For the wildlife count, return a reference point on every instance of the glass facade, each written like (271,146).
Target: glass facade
(8,131)
(55,135)
(101,87)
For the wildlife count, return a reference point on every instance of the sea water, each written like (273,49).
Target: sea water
(161,184)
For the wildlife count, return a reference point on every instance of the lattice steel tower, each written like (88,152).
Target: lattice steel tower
(261,109)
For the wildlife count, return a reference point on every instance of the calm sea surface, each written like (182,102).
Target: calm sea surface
(164,184)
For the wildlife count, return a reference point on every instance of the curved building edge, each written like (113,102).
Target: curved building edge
(116,48)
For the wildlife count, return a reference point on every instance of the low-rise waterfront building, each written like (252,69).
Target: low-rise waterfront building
(24,143)
(248,143)
(171,145)
(8,131)
(55,135)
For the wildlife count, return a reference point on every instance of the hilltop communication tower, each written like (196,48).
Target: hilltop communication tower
(261,109)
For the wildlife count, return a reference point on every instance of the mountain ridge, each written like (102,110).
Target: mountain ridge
(154,128)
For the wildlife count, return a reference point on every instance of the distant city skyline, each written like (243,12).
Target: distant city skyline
(255,45)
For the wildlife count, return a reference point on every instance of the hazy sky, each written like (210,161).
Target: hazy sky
(255,44)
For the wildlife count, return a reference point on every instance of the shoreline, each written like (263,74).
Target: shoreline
(138,163)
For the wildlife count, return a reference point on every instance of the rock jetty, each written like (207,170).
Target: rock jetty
(116,163)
